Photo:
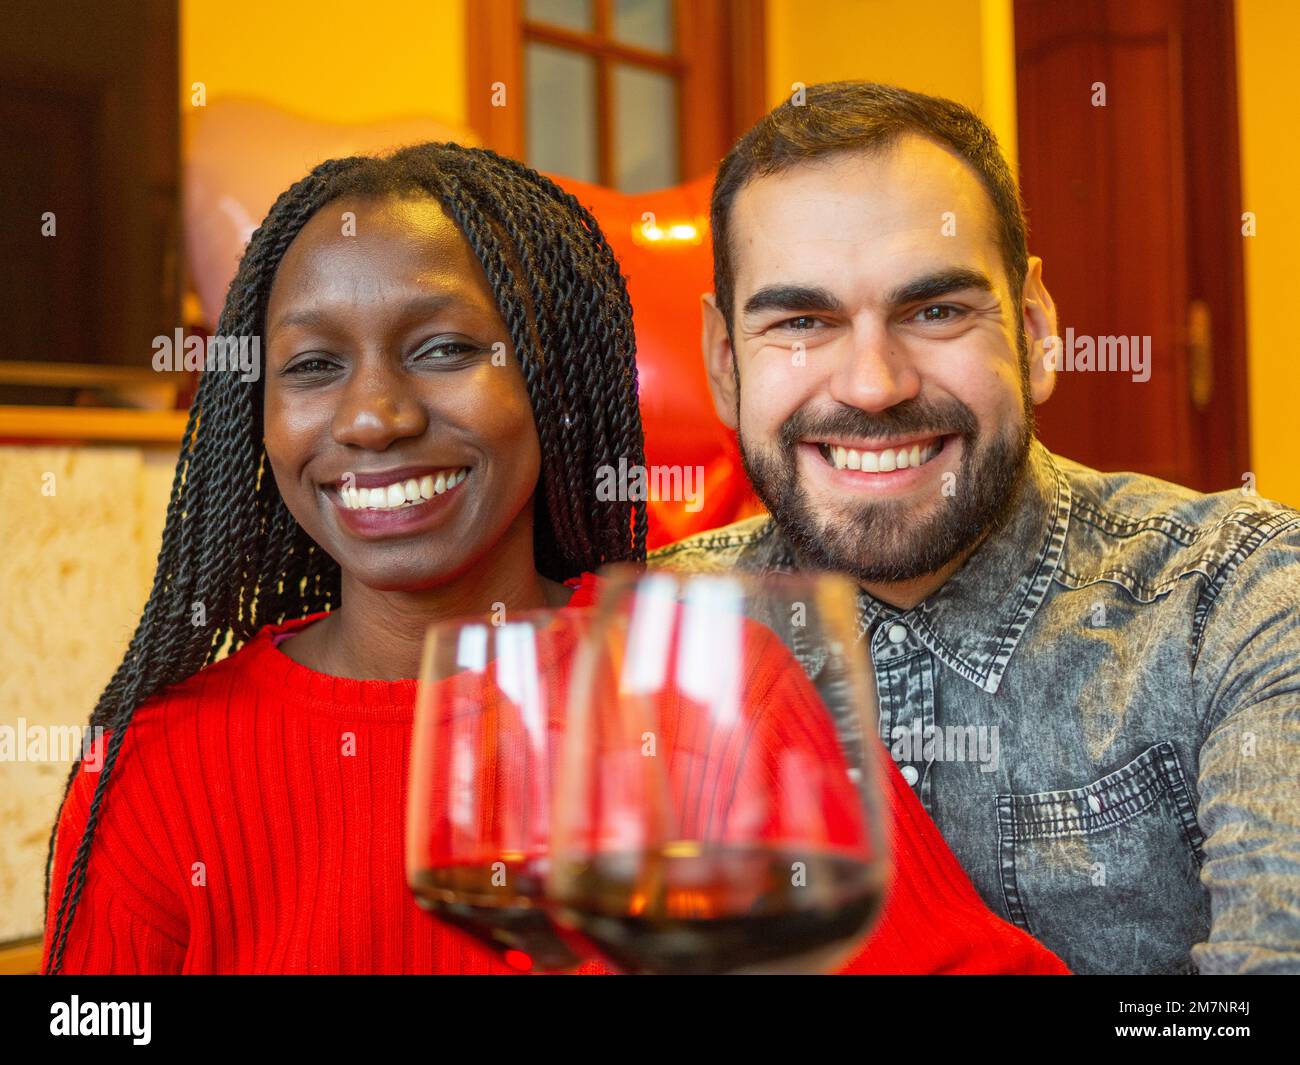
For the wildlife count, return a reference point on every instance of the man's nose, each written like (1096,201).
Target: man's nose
(377,407)
(873,371)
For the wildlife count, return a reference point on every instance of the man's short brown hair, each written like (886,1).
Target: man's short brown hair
(849,116)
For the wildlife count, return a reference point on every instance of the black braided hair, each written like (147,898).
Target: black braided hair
(242,555)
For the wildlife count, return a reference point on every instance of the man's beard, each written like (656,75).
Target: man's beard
(879,541)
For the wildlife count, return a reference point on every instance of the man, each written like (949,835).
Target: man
(1091,680)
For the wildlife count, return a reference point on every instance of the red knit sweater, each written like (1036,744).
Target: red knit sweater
(254,824)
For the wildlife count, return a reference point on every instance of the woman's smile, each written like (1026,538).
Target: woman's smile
(396,503)
(398,419)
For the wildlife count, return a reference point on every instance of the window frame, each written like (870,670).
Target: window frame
(718,59)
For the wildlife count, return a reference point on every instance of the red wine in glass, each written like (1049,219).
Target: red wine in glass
(498,904)
(722,908)
(488,714)
(716,806)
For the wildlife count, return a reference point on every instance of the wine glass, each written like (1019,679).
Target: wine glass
(490,702)
(717,806)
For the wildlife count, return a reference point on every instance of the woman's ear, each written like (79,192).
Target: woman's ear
(1039,316)
(719,362)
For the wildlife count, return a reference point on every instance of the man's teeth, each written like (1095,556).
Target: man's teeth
(402,493)
(886,461)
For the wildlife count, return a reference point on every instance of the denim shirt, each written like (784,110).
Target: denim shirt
(1101,711)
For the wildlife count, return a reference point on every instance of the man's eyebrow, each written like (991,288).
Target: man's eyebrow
(932,286)
(791,298)
(318,318)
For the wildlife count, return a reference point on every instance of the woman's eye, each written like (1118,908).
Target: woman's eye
(311,365)
(444,349)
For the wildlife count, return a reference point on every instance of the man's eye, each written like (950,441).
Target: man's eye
(937,312)
(802,324)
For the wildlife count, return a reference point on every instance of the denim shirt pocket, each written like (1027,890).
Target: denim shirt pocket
(1120,857)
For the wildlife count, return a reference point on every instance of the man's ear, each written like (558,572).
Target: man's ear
(1039,313)
(719,360)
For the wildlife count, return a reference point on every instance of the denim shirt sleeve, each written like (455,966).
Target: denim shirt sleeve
(1247,680)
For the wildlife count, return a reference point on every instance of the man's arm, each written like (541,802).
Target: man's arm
(1247,675)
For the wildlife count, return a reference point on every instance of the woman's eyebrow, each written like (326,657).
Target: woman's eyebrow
(415,307)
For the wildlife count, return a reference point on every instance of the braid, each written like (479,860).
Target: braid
(591,372)
(201,590)
(234,560)
(616,414)
(562,498)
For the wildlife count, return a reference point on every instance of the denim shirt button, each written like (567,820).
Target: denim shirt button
(897,633)
(911,775)
(1094,804)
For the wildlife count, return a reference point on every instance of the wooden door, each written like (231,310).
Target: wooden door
(1130,175)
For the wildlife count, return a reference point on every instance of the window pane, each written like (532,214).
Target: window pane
(645,129)
(561,111)
(571,14)
(645,23)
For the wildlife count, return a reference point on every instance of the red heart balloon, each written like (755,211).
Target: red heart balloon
(662,242)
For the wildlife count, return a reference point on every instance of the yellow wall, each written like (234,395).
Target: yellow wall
(961,49)
(336,60)
(1268,36)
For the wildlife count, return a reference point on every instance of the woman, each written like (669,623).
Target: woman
(449,359)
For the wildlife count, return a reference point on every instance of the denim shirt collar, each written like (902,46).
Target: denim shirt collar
(975,621)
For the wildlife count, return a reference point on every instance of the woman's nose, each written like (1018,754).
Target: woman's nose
(378,406)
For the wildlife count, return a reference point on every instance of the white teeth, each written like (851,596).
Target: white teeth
(885,461)
(401,493)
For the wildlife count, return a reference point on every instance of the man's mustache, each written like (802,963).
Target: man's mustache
(906,418)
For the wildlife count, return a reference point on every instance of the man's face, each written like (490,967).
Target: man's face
(882,398)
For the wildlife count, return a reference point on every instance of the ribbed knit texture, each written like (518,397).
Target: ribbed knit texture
(254,823)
